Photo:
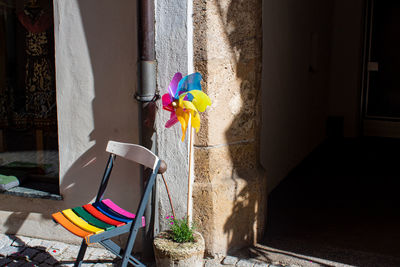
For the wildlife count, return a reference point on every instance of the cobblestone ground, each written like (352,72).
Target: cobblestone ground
(19,251)
(232,261)
(28,252)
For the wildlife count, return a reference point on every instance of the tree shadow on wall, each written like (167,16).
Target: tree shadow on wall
(242,21)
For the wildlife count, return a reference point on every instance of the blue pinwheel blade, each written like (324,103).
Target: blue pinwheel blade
(189,83)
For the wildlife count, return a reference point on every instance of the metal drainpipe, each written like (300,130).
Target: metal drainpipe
(146,95)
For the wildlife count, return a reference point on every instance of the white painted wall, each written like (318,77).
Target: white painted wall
(296,35)
(96,58)
(171,51)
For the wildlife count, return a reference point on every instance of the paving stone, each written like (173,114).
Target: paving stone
(18,243)
(98,254)
(51,261)
(45,265)
(16,263)
(70,253)
(230,260)
(35,243)
(30,252)
(58,246)
(45,245)
(55,252)
(41,257)
(212,263)
(5,241)
(23,239)
(29,264)
(261,264)
(244,263)
(10,250)
(4,261)
(11,237)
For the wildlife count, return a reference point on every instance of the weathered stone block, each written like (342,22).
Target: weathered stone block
(5,241)
(230,260)
(4,261)
(51,261)
(234,91)
(8,251)
(30,252)
(219,163)
(41,257)
(245,263)
(229,190)
(230,213)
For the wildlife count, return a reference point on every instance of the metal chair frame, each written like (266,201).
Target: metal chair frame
(144,157)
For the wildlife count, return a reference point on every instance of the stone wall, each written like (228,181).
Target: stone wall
(229,190)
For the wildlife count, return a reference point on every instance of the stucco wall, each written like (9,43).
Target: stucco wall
(96,57)
(295,82)
(172,57)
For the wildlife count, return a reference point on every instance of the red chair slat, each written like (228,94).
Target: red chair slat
(96,213)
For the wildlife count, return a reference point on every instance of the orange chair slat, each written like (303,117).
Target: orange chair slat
(67,224)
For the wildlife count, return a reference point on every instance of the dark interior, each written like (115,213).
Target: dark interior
(341,204)
(28,110)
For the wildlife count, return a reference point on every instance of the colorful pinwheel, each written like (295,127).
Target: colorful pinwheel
(185,99)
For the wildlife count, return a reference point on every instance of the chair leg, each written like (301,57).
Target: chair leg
(81,254)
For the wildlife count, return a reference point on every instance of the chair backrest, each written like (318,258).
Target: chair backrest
(134,153)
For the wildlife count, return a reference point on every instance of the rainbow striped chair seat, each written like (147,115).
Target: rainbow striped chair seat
(102,220)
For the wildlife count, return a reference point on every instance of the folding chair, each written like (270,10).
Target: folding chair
(100,221)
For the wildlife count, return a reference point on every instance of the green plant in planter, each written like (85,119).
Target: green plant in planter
(181,231)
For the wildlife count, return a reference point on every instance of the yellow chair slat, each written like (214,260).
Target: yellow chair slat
(71,215)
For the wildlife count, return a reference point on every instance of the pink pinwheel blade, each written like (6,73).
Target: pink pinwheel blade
(172,121)
(173,86)
(166,99)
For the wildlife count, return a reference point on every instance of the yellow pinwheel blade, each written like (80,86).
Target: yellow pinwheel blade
(200,99)
(183,118)
(187,105)
(195,114)
(196,122)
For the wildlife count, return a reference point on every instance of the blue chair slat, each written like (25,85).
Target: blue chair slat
(110,213)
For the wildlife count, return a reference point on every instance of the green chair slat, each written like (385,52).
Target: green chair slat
(92,220)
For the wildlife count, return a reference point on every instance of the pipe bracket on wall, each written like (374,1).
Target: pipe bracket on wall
(147,87)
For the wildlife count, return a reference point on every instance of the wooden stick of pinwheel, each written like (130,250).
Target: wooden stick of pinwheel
(189,193)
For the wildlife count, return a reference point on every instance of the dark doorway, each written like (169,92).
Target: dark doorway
(28,110)
(383,95)
(381,113)
(341,204)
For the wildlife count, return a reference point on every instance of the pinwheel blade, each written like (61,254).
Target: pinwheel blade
(188,83)
(183,118)
(173,86)
(188,105)
(199,99)
(196,121)
(172,121)
(166,99)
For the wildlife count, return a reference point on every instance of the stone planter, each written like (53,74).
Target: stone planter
(170,253)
